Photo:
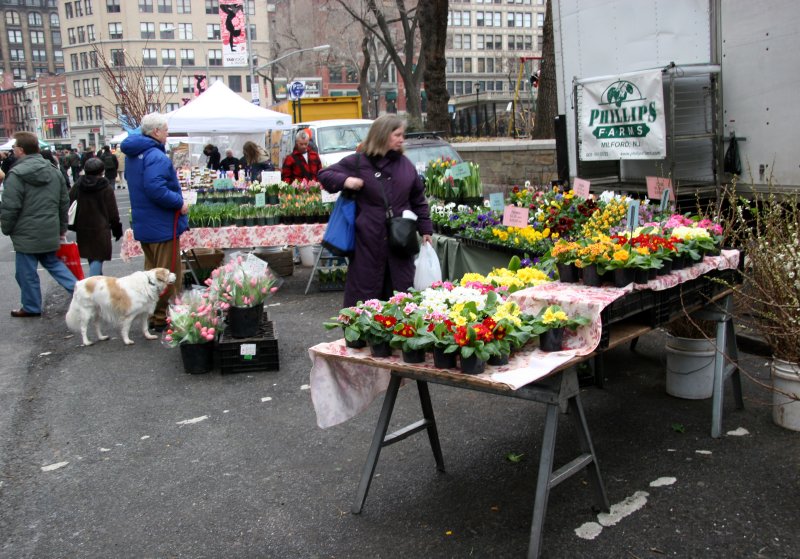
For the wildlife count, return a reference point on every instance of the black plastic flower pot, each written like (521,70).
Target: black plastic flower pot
(380,349)
(591,277)
(243,322)
(551,340)
(497,360)
(444,360)
(568,273)
(414,355)
(472,365)
(197,358)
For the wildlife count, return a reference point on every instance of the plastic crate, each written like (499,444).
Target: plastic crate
(250,355)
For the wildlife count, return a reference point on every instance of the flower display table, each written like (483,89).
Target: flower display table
(300,234)
(344,381)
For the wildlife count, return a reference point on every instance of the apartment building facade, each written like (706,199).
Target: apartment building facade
(167,42)
(30,44)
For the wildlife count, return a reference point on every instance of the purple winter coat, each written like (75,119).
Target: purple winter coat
(405,191)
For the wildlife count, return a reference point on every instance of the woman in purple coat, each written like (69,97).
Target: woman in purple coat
(374,272)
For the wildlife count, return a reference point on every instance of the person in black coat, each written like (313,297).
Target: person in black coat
(97,217)
(213,155)
(230,163)
(47,154)
(111,165)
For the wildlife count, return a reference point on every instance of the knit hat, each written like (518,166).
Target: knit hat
(94,166)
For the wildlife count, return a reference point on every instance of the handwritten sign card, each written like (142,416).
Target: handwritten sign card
(190,197)
(270,177)
(261,200)
(460,171)
(515,217)
(497,201)
(223,184)
(657,185)
(581,188)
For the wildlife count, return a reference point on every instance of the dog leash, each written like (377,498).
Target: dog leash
(174,250)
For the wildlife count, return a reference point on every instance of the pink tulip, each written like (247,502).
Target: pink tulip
(212,331)
(210,337)
(273,289)
(168,338)
(198,325)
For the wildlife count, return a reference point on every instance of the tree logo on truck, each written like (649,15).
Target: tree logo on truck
(623,112)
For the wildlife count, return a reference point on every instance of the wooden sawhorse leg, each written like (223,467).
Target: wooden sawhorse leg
(547,478)
(381,439)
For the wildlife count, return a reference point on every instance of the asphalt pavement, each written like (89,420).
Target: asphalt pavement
(164,464)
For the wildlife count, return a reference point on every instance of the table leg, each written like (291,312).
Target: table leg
(733,354)
(719,379)
(433,433)
(585,441)
(377,443)
(543,480)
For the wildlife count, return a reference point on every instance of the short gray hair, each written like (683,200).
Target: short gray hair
(302,135)
(152,122)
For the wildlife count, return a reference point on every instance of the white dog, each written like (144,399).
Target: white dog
(118,301)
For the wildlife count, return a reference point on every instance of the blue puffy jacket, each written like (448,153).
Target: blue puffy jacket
(154,190)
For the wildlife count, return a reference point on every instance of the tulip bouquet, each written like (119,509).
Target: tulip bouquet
(241,284)
(192,319)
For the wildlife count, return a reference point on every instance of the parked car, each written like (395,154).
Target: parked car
(423,147)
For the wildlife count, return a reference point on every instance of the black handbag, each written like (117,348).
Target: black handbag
(402,232)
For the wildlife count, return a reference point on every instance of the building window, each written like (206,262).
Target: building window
(54,21)
(164,6)
(89,113)
(93,59)
(78,9)
(87,91)
(235,83)
(34,19)
(147,30)
(212,7)
(250,7)
(187,84)
(166,31)
(73,61)
(79,114)
(71,37)
(37,37)
(115,30)
(81,34)
(39,55)
(98,111)
(90,34)
(146,6)
(149,57)
(12,18)
(539,20)
(112,6)
(16,54)
(151,84)
(185,31)
(76,88)
(117,58)
(212,31)
(68,10)
(215,57)
(15,36)
(56,36)
(96,86)
(88,6)
(184,6)
(187,57)
(170,84)
(169,107)
(168,57)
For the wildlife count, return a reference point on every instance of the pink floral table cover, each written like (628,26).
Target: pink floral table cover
(301,234)
(340,389)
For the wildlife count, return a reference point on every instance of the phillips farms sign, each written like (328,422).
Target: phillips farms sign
(623,118)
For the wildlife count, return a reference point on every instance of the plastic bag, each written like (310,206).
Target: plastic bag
(428,268)
(732,163)
(68,253)
(340,234)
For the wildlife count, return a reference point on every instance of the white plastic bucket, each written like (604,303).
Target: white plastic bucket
(308,254)
(690,367)
(786,380)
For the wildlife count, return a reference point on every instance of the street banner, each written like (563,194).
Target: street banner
(200,84)
(623,118)
(233,32)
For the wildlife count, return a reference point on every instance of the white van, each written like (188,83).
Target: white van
(332,139)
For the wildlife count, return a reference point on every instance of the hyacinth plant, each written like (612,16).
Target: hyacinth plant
(238,285)
(192,318)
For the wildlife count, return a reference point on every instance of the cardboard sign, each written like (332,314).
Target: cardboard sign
(515,217)
(223,184)
(327,197)
(633,214)
(247,350)
(497,201)
(190,197)
(460,171)
(270,177)
(581,188)
(657,185)
(261,200)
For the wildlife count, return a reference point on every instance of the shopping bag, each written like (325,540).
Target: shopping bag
(340,235)
(428,268)
(403,240)
(69,255)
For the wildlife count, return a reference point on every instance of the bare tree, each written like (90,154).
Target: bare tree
(433,33)
(136,88)
(547,103)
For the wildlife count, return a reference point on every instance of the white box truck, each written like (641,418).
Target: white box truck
(727,66)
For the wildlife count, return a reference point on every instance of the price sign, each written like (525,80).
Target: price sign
(223,184)
(270,177)
(190,197)
(247,351)
(497,201)
(261,200)
(657,185)
(581,188)
(460,171)
(515,217)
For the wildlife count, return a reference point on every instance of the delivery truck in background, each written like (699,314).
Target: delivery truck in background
(728,67)
(320,108)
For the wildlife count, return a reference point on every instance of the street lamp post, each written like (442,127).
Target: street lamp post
(478,108)
(375,98)
(318,48)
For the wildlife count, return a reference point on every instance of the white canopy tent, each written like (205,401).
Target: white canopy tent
(10,144)
(219,111)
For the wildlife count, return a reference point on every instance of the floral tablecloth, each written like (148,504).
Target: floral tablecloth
(236,237)
(340,389)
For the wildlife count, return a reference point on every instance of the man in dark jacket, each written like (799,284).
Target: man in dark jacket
(158,211)
(34,215)
(110,165)
(303,162)
(230,163)
(74,164)
(213,155)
